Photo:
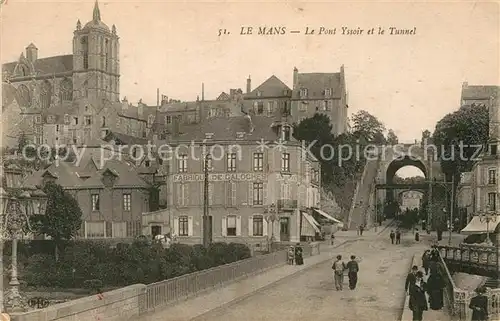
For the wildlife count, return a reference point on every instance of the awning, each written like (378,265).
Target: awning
(476,226)
(312,222)
(320,212)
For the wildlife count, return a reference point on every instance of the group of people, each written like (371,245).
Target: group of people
(417,288)
(295,255)
(396,236)
(339,267)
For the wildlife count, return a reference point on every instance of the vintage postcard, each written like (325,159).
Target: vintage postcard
(249,160)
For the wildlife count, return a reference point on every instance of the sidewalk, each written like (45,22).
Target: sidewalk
(234,292)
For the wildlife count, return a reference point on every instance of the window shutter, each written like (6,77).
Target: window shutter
(176,225)
(238,225)
(233,194)
(190,226)
(227,190)
(109,229)
(250,225)
(250,193)
(264,192)
(179,194)
(264,227)
(224,226)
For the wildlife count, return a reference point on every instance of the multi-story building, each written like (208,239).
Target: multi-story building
(411,200)
(112,196)
(485,185)
(324,93)
(465,196)
(250,173)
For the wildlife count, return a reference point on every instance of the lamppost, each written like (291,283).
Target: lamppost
(271,217)
(487,217)
(18,204)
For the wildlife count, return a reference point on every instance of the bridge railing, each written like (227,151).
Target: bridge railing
(166,292)
(472,258)
(459,299)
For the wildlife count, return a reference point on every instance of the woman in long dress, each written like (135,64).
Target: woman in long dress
(299,259)
(435,285)
(479,305)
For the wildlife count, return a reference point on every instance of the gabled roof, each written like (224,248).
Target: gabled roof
(45,66)
(316,83)
(64,173)
(125,139)
(272,87)
(126,174)
(223,96)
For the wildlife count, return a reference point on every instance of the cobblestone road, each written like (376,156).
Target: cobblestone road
(312,296)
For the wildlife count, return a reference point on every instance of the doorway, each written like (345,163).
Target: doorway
(155,230)
(284,229)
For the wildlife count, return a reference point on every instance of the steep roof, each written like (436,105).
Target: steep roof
(272,87)
(44,66)
(480,92)
(125,139)
(126,174)
(225,129)
(316,83)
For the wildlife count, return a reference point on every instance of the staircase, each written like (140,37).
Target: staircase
(363,195)
(491,283)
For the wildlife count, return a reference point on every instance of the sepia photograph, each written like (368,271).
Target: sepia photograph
(285,160)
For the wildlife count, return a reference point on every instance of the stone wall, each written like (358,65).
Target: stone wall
(118,305)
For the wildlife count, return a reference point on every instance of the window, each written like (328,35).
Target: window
(285,162)
(119,229)
(183,226)
(183,164)
(259,93)
(147,163)
(303,106)
(328,92)
(285,191)
(38,119)
(303,93)
(75,120)
(260,108)
(258,193)
(58,128)
(286,133)
(231,193)
(151,119)
(85,52)
(492,175)
(66,119)
(258,162)
(207,163)
(127,200)
(231,225)
(231,162)
(168,119)
(95,229)
(328,105)
(182,194)
(492,201)
(258,225)
(493,150)
(270,107)
(88,120)
(95,202)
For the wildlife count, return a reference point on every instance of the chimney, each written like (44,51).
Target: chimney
(295,78)
(202,91)
(249,85)
(31,53)
(164,100)
(465,84)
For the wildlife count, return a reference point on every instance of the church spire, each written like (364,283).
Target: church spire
(97,12)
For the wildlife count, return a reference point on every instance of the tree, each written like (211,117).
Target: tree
(426,136)
(367,127)
(392,139)
(63,216)
(458,136)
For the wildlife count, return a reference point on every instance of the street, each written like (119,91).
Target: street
(311,295)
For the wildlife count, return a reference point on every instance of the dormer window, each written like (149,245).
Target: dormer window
(209,135)
(240,135)
(285,134)
(328,92)
(259,93)
(303,93)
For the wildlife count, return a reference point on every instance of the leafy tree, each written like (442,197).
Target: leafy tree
(367,127)
(426,136)
(457,137)
(63,216)
(392,139)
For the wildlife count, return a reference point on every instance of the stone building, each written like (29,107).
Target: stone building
(485,185)
(245,179)
(112,195)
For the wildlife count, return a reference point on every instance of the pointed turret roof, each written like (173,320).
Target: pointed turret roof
(96,22)
(97,12)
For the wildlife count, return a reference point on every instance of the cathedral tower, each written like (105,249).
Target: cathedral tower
(96,61)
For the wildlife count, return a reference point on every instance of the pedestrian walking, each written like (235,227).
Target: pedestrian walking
(332,238)
(426,257)
(435,286)
(417,235)
(361,229)
(398,236)
(418,300)
(479,305)
(352,272)
(410,278)
(299,259)
(338,272)
(392,235)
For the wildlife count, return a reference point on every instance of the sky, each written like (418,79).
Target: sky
(408,81)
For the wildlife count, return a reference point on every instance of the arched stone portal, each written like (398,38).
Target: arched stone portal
(396,165)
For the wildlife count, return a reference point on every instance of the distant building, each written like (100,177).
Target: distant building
(411,200)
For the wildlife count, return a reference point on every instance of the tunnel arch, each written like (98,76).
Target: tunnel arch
(399,163)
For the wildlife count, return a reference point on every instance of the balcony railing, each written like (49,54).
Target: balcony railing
(287,205)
